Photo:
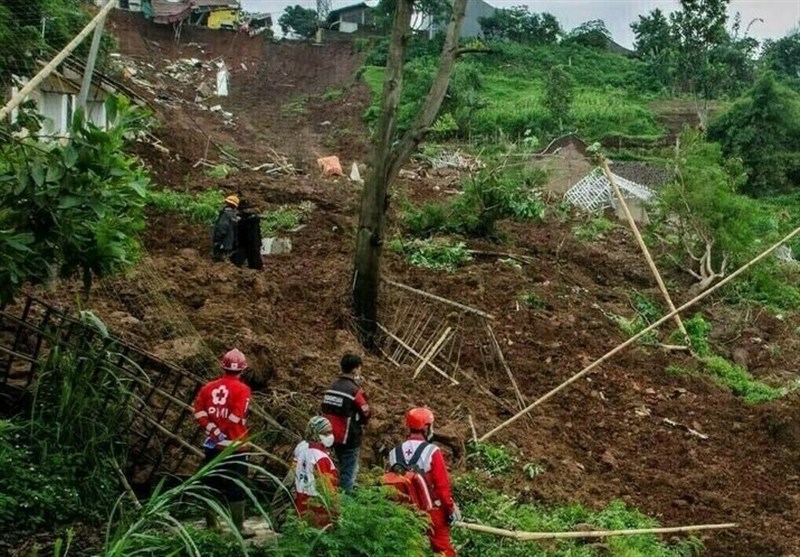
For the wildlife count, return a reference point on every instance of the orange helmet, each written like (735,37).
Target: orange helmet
(234,361)
(417,419)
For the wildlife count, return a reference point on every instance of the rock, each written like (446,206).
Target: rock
(180,351)
(741,357)
(608,458)
(680,503)
(276,246)
(188,253)
(125,318)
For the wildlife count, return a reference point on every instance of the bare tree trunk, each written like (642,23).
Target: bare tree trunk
(387,161)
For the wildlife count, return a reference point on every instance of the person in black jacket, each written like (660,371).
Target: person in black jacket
(248,238)
(223,236)
(345,406)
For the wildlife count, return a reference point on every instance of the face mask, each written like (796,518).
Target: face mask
(326,440)
(429,435)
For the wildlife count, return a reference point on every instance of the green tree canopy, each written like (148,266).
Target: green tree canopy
(518,24)
(783,57)
(592,34)
(300,21)
(763,130)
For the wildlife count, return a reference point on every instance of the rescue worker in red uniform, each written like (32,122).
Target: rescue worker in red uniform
(345,406)
(315,476)
(221,410)
(432,465)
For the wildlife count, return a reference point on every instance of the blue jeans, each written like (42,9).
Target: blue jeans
(347,460)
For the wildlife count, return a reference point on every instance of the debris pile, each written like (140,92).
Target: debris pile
(455,160)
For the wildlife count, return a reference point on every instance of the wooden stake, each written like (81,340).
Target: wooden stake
(462,307)
(51,66)
(432,352)
(520,398)
(472,427)
(529,536)
(417,354)
(650,263)
(642,333)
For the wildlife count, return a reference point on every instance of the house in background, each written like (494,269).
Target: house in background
(216,14)
(350,19)
(470,27)
(56,99)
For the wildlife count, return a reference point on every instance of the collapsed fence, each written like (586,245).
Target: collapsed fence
(164,439)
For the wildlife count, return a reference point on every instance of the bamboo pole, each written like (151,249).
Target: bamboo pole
(440,299)
(493,338)
(51,66)
(529,536)
(432,352)
(642,333)
(436,368)
(650,263)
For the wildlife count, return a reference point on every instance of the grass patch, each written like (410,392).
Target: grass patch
(332,95)
(202,207)
(595,229)
(647,313)
(295,107)
(740,381)
(220,171)
(532,300)
(496,509)
(439,254)
(285,219)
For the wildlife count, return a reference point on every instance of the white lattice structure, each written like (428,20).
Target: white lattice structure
(594,193)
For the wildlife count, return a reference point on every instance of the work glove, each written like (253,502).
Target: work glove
(454,516)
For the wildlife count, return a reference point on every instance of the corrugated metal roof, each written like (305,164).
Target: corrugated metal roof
(215,3)
(170,12)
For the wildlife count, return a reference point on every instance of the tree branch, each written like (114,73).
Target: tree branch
(430,108)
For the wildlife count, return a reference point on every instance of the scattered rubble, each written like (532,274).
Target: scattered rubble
(276,246)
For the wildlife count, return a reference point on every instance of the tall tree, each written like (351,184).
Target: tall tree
(558,94)
(519,25)
(300,21)
(698,28)
(653,44)
(763,130)
(783,57)
(388,156)
(592,34)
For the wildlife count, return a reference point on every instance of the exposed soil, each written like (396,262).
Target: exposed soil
(602,439)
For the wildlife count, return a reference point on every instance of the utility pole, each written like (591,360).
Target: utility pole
(90,62)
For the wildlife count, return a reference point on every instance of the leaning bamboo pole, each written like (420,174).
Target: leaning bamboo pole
(642,333)
(650,263)
(530,536)
(51,66)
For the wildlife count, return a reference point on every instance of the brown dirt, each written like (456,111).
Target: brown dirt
(595,444)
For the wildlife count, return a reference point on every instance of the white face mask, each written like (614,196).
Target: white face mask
(326,440)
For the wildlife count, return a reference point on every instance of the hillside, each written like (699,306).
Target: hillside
(602,440)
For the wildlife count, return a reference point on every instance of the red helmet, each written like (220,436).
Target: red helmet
(417,419)
(234,361)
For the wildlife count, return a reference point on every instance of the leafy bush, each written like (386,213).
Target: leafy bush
(698,330)
(496,509)
(59,463)
(370,524)
(532,299)
(495,460)
(202,207)
(595,229)
(434,253)
(75,208)
(221,171)
(489,196)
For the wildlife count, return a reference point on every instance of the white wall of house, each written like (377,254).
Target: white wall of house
(57,109)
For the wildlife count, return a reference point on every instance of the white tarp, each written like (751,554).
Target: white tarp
(222,79)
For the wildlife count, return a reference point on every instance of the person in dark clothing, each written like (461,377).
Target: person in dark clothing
(223,236)
(248,238)
(345,406)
